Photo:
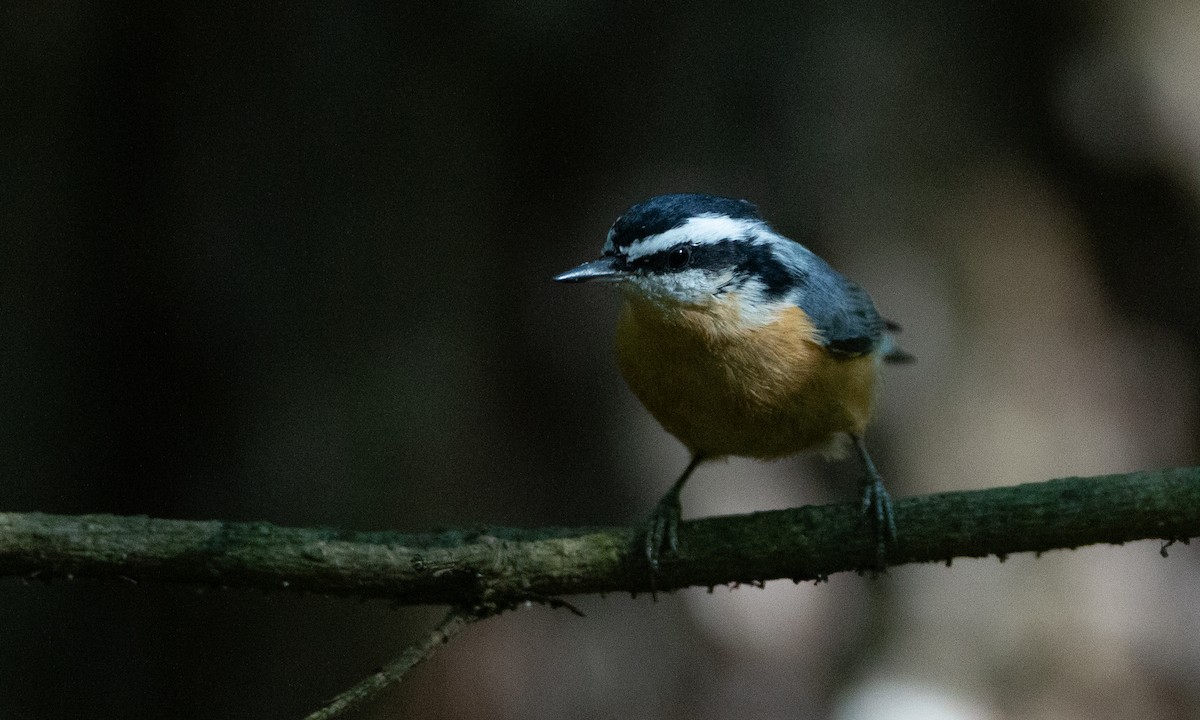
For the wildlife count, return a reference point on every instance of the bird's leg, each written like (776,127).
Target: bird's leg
(663,526)
(877,505)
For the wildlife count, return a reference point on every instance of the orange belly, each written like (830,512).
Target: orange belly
(726,387)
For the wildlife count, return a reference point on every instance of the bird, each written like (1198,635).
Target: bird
(741,342)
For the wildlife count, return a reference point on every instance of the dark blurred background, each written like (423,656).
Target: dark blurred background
(290,262)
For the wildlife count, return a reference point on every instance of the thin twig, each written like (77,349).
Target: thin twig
(392,673)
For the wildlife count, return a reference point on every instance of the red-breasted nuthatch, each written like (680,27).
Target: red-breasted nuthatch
(740,341)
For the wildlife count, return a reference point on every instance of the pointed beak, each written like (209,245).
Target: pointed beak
(606,269)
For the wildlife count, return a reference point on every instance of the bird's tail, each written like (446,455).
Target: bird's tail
(891,352)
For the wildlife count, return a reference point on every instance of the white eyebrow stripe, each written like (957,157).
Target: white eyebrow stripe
(701,230)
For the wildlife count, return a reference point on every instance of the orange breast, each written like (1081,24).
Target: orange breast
(726,387)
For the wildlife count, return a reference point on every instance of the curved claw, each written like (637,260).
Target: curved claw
(877,505)
(663,525)
(663,528)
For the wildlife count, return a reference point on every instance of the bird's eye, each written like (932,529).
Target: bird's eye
(679,257)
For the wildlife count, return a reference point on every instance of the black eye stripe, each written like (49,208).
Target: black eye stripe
(743,257)
(672,259)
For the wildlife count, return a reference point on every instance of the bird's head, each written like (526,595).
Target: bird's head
(690,248)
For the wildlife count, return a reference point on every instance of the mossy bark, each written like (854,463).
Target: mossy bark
(459,567)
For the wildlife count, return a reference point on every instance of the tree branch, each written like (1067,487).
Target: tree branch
(461,567)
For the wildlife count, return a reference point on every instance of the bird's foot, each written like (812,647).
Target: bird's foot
(662,529)
(877,506)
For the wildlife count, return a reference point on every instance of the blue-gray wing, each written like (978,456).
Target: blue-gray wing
(846,318)
(841,311)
